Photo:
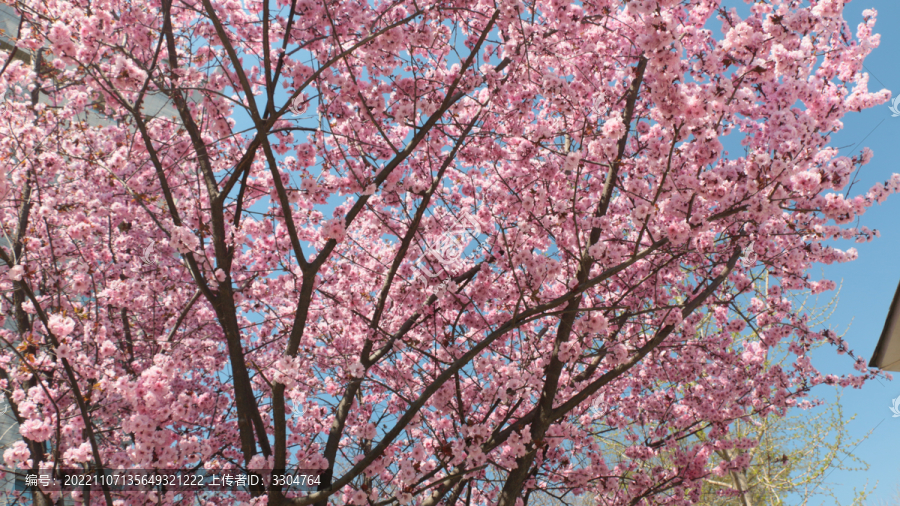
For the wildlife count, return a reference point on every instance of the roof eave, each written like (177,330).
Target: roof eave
(888,337)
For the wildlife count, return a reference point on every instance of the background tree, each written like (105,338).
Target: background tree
(309,306)
(790,456)
(791,461)
(893,500)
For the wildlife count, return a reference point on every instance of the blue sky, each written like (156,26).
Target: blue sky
(869,282)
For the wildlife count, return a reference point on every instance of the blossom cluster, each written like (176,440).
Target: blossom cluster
(611,286)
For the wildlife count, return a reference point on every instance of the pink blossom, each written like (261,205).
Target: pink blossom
(614,128)
(107,349)
(36,430)
(184,240)
(358,497)
(257,462)
(678,232)
(17,456)
(357,370)
(16,273)
(334,229)
(80,453)
(617,354)
(61,326)
(64,352)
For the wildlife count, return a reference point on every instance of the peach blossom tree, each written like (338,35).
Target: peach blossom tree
(432,250)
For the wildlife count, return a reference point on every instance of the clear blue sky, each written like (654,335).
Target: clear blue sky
(869,282)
